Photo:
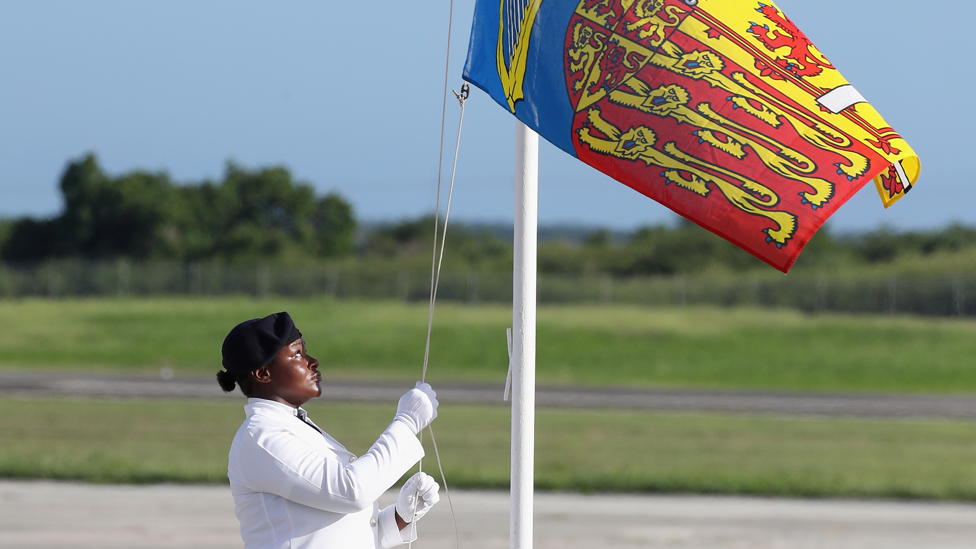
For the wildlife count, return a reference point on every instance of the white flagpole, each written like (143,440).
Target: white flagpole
(523,324)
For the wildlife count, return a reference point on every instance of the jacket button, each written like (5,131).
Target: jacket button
(352,459)
(372,522)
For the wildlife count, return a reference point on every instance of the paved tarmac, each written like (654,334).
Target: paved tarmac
(46,384)
(50,515)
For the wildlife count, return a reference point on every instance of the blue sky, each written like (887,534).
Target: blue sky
(349,99)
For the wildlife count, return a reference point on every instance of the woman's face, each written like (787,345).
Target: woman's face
(295,378)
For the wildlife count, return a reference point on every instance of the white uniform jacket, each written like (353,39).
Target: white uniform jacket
(295,487)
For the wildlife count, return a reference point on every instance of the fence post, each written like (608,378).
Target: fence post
(263,276)
(195,285)
(333,282)
(53,281)
(403,285)
(606,289)
(820,304)
(680,290)
(218,276)
(123,277)
(957,291)
(473,288)
(892,294)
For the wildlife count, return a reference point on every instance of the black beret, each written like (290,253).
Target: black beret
(254,343)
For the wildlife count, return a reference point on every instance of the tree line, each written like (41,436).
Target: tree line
(657,250)
(264,215)
(249,215)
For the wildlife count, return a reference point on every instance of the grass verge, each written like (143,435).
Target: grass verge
(690,347)
(187,441)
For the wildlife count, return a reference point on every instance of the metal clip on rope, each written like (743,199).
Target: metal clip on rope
(465,92)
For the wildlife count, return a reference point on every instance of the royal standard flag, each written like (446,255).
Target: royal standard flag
(722,110)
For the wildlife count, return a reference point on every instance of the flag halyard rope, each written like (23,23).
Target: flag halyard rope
(440,168)
(435,283)
(435,268)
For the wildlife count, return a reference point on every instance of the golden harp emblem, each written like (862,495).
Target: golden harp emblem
(516,18)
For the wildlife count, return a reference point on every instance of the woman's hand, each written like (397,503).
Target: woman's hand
(417,496)
(417,407)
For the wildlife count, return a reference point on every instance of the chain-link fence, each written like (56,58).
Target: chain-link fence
(931,295)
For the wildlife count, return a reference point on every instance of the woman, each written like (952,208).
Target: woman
(293,484)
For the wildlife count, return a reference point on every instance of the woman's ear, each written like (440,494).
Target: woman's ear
(262,374)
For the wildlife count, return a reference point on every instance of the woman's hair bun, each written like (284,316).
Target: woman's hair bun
(226,380)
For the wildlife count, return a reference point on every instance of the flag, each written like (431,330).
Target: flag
(722,110)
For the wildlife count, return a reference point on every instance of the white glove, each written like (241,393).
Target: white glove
(417,407)
(419,492)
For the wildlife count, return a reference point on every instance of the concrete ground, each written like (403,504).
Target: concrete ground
(46,515)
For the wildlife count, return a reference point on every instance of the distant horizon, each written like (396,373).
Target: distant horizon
(666,219)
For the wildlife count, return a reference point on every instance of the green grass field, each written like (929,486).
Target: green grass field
(153,441)
(615,345)
(120,441)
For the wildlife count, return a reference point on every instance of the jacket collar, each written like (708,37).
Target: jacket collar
(266,407)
